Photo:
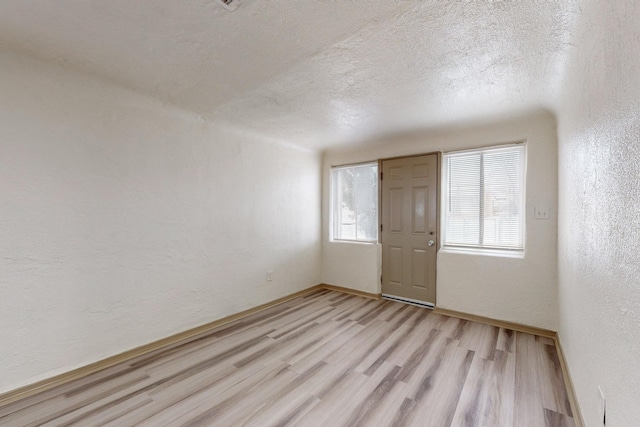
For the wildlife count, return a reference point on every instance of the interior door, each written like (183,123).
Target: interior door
(408,228)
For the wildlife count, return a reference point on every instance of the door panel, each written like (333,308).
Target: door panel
(420,170)
(409,209)
(396,172)
(395,265)
(418,272)
(420,210)
(396,208)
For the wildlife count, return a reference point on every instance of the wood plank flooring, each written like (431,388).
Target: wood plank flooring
(324,359)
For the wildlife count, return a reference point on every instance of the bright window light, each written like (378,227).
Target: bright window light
(354,201)
(483,197)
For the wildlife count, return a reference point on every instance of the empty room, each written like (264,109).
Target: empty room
(320,213)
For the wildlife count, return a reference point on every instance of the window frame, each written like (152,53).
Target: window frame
(333,225)
(485,249)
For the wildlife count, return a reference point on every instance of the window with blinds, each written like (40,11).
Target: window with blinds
(484,198)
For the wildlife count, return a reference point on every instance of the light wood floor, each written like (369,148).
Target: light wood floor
(325,359)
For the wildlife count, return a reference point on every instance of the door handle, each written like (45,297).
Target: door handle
(431,243)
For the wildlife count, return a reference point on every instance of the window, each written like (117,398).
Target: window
(484,198)
(354,201)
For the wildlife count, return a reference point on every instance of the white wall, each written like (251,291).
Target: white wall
(123,220)
(518,290)
(599,224)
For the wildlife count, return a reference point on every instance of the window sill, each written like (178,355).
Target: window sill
(357,242)
(503,253)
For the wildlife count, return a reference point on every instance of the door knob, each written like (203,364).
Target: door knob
(431,243)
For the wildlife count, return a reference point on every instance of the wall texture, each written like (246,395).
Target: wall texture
(599,223)
(123,220)
(518,290)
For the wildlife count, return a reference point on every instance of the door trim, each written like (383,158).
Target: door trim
(439,206)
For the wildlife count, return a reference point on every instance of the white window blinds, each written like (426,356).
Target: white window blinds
(484,198)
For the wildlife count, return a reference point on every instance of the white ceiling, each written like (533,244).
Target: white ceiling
(310,72)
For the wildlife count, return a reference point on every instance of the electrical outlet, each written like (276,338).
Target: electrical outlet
(270,276)
(603,406)
(541,213)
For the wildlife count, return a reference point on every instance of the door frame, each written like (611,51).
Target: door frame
(438,208)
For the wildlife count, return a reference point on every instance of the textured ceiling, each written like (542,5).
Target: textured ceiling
(312,73)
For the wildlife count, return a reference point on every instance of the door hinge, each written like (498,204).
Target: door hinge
(381,227)
(381,173)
